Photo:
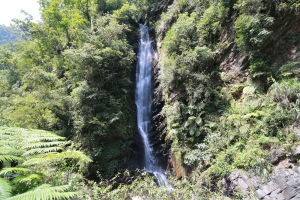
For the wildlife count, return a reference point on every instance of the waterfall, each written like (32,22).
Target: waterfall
(143,100)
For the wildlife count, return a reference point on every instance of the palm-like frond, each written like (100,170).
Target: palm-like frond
(43,136)
(46,192)
(4,158)
(5,189)
(36,151)
(14,170)
(46,138)
(45,144)
(54,157)
(11,151)
(27,179)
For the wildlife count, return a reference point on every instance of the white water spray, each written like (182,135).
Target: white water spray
(143,100)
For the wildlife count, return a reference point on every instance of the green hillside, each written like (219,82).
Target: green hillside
(6,35)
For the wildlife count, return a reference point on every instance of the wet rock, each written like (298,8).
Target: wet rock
(240,180)
(249,181)
(282,165)
(289,192)
(284,184)
(297,197)
(280,197)
(234,175)
(270,187)
(242,184)
(179,170)
(280,181)
(277,155)
(296,153)
(293,182)
(267,198)
(275,193)
(260,194)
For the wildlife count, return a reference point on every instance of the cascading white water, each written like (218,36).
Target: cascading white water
(143,100)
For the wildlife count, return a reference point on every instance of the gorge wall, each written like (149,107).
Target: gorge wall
(221,69)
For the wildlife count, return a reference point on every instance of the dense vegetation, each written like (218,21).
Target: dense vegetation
(38,165)
(72,75)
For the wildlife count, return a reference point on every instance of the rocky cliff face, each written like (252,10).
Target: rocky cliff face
(241,67)
(283,184)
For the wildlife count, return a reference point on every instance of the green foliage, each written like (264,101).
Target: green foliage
(15,170)
(5,189)
(165,22)
(288,70)
(4,158)
(220,166)
(72,74)
(187,75)
(253,26)
(46,192)
(252,32)
(244,135)
(39,150)
(253,157)
(198,155)
(259,69)
(144,187)
(286,91)
(288,6)
(210,26)
(184,29)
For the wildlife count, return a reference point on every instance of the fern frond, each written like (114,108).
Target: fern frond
(45,144)
(5,189)
(46,192)
(14,170)
(9,142)
(46,138)
(11,151)
(27,179)
(54,157)
(4,158)
(37,161)
(42,150)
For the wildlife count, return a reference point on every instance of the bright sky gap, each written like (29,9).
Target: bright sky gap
(11,9)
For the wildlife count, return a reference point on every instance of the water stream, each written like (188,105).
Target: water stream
(143,100)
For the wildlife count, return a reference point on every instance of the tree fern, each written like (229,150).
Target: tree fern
(36,151)
(14,170)
(33,151)
(46,192)
(4,158)
(11,151)
(45,144)
(5,189)
(27,179)
(54,158)
(43,136)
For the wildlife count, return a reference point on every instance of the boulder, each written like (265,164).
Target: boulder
(277,155)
